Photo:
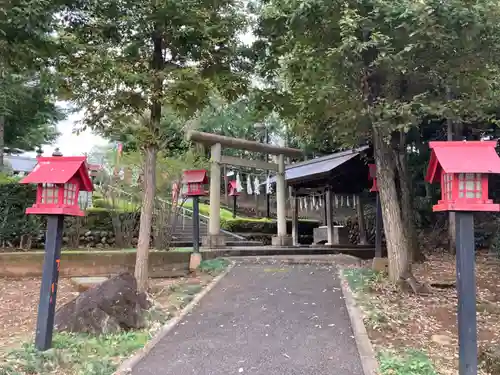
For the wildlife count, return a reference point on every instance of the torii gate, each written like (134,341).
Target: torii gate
(216,142)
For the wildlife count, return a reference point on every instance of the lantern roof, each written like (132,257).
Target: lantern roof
(60,170)
(462,157)
(195,176)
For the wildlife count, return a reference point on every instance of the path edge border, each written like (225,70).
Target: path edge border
(126,367)
(363,343)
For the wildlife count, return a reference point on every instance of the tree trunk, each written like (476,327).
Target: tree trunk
(151,151)
(2,141)
(406,198)
(394,227)
(149,184)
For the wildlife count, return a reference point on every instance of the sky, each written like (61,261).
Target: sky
(71,144)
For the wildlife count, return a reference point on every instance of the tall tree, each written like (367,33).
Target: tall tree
(376,68)
(126,58)
(27,110)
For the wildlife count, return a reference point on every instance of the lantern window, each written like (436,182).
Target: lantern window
(448,178)
(469,185)
(69,194)
(49,194)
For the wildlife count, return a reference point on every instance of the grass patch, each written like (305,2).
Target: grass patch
(361,282)
(214,266)
(360,279)
(182,249)
(410,362)
(75,354)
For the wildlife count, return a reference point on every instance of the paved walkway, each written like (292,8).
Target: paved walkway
(265,319)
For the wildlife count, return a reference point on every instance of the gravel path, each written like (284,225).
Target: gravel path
(266,319)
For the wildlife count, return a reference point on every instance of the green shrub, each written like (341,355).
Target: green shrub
(249,225)
(14,223)
(411,362)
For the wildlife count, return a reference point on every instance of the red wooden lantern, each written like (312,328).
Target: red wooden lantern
(463,168)
(373,176)
(233,191)
(195,180)
(60,179)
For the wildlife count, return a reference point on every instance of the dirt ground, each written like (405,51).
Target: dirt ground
(19,303)
(400,320)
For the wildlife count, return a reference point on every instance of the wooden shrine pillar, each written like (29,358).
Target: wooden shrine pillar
(329,215)
(295,220)
(361,221)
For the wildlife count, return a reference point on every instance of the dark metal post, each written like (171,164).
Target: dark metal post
(378,227)
(466,289)
(50,277)
(234,206)
(268,205)
(196,224)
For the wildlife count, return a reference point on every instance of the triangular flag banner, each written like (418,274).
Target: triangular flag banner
(256,186)
(249,185)
(239,187)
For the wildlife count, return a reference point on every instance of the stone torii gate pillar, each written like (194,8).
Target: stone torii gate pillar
(214,239)
(281,238)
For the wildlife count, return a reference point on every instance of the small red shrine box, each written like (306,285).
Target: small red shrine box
(372,168)
(60,180)
(462,168)
(232,188)
(195,181)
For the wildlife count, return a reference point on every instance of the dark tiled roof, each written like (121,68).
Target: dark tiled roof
(324,164)
(21,163)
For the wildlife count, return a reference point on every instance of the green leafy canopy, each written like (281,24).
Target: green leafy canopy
(113,73)
(416,56)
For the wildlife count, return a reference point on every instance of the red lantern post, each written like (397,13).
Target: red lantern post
(233,192)
(378,210)
(462,168)
(195,181)
(59,180)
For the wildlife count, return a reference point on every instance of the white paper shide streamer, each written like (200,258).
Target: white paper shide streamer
(256,186)
(249,185)
(239,187)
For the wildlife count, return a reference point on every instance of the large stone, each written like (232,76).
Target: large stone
(380,264)
(112,306)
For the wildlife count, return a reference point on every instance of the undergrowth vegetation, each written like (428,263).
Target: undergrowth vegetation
(84,354)
(363,282)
